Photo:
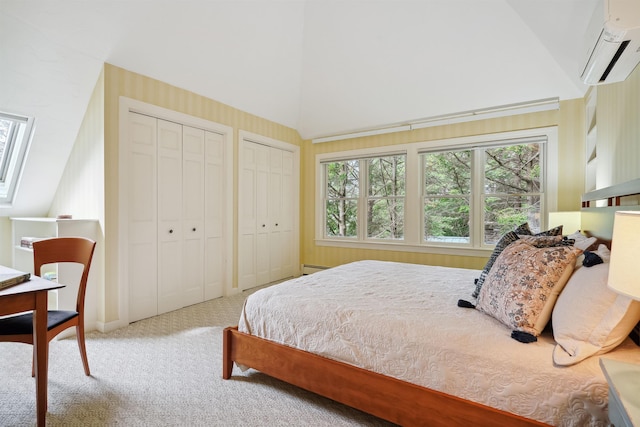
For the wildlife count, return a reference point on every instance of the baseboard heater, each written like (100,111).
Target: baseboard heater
(310,269)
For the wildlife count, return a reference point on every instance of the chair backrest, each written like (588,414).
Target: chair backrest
(65,249)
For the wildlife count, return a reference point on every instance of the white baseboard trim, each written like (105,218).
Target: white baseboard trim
(110,326)
(310,269)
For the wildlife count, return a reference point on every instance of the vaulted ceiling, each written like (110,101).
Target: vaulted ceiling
(319,66)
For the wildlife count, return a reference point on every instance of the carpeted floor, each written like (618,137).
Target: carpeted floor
(163,371)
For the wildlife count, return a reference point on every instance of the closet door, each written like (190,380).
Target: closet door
(170,272)
(193,229)
(286,217)
(175,211)
(266,212)
(264,206)
(142,226)
(215,204)
(281,209)
(247,215)
(275,211)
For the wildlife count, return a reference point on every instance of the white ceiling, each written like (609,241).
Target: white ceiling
(319,66)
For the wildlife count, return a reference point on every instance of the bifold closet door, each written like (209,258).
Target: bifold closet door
(214,209)
(285,215)
(265,215)
(247,215)
(142,214)
(170,233)
(175,200)
(193,200)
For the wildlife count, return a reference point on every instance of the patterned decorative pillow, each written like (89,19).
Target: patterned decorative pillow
(524,283)
(526,230)
(555,231)
(523,229)
(536,240)
(543,241)
(504,241)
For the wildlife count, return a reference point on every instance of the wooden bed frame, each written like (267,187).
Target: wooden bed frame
(385,397)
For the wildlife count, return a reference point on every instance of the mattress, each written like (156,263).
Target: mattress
(402,320)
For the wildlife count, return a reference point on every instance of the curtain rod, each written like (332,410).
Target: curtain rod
(445,119)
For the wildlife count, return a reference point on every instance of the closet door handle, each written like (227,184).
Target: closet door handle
(264,225)
(170,230)
(193,229)
(276,224)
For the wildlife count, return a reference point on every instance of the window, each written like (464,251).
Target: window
(447,199)
(456,196)
(379,209)
(14,138)
(510,192)
(343,189)
(512,189)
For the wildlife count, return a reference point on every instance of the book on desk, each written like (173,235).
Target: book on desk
(11,279)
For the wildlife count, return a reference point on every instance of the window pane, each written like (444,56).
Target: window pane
(448,173)
(5,130)
(386,219)
(512,169)
(385,201)
(503,214)
(387,176)
(342,218)
(342,179)
(446,219)
(342,193)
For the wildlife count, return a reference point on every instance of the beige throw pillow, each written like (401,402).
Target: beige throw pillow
(589,318)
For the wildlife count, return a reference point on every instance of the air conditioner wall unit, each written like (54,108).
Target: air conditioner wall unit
(613,42)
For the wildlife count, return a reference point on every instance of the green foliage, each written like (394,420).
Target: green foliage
(512,183)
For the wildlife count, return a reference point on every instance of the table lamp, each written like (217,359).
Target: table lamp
(624,268)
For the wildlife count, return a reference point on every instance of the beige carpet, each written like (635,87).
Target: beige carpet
(163,371)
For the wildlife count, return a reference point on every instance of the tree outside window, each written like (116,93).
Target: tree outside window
(512,189)
(447,201)
(343,189)
(383,200)
(464,195)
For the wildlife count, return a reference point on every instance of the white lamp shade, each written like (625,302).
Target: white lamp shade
(624,270)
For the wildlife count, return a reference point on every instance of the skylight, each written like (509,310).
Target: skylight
(15,133)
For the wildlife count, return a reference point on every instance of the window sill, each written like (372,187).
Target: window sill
(405,247)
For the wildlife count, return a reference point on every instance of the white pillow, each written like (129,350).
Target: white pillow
(603,252)
(581,241)
(589,318)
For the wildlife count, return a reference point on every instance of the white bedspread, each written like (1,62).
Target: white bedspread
(401,320)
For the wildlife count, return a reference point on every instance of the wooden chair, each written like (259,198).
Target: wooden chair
(19,328)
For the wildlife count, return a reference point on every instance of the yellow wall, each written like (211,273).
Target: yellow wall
(618,128)
(570,122)
(81,188)
(119,82)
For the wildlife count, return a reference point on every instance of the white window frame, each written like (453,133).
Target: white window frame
(413,224)
(16,148)
(362,199)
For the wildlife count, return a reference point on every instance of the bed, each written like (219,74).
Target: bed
(434,364)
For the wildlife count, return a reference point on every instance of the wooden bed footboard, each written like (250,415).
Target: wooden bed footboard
(388,398)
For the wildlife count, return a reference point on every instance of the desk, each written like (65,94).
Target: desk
(32,295)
